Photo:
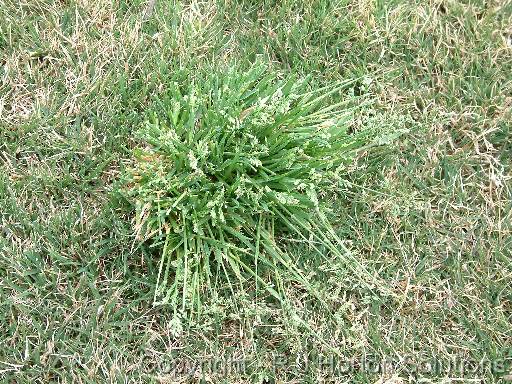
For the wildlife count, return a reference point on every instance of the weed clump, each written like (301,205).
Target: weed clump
(235,160)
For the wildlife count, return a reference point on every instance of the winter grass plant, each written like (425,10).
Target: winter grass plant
(229,164)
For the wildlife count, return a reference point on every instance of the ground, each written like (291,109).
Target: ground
(429,213)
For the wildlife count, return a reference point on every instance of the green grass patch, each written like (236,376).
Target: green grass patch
(230,164)
(427,214)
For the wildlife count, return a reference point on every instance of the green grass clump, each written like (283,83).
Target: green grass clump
(236,160)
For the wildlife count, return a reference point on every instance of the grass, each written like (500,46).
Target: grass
(231,163)
(429,213)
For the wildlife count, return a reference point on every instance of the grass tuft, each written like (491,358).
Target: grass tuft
(232,162)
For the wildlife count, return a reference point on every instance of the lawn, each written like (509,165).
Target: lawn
(427,213)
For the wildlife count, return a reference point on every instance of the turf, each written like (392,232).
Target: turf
(429,212)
